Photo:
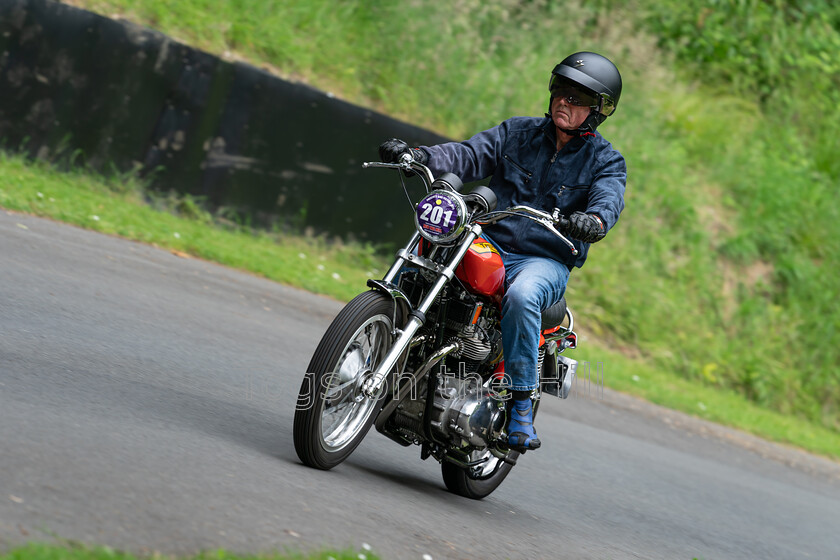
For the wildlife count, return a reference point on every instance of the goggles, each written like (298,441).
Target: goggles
(563,88)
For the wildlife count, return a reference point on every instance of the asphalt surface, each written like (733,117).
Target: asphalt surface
(146,403)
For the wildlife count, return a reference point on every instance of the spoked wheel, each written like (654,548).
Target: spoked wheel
(481,481)
(333,414)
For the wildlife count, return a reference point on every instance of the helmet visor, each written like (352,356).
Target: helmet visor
(574,95)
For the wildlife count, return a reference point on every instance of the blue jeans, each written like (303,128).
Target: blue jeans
(531,285)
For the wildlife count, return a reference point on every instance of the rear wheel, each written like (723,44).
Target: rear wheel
(333,414)
(481,481)
(473,484)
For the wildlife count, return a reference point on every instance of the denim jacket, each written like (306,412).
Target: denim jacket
(520,156)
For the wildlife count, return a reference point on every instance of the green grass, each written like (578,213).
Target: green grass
(640,378)
(74,551)
(118,206)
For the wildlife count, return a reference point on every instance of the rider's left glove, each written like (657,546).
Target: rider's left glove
(586,227)
(391,150)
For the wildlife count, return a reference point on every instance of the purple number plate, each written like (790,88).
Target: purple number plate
(437,215)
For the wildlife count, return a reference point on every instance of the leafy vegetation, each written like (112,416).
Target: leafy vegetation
(782,52)
(723,268)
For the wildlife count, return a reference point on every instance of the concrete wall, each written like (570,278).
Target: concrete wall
(118,94)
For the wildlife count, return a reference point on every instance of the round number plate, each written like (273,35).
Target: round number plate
(440,216)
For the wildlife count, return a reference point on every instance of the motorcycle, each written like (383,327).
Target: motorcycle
(419,356)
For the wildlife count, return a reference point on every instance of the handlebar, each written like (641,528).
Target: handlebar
(545,219)
(406,163)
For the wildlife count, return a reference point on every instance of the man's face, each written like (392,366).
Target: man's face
(566,115)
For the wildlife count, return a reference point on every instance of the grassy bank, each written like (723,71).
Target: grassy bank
(723,267)
(119,206)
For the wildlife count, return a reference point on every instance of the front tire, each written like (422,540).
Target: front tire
(333,415)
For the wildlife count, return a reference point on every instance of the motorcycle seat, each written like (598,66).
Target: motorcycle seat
(554,315)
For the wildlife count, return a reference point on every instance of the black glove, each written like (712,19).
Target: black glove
(391,150)
(585,227)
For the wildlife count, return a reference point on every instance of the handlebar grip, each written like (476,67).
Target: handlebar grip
(562,221)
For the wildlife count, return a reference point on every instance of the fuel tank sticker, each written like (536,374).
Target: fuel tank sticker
(483,247)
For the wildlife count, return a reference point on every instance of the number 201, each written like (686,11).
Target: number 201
(433,214)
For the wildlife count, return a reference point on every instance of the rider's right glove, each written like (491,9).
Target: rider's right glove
(391,150)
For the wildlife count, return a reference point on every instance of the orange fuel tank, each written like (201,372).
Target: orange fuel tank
(482,270)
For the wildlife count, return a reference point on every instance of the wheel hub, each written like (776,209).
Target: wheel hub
(362,380)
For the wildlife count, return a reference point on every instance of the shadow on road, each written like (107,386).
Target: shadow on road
(178,408)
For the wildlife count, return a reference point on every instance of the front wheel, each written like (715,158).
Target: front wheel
(333,415)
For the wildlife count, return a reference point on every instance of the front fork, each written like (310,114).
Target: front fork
(373,386)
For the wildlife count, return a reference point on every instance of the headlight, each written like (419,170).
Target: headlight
(441,216)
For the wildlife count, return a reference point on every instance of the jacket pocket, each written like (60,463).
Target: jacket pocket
(518,168)
(572,198)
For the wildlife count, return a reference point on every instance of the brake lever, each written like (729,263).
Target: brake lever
(557,217)
(555,231)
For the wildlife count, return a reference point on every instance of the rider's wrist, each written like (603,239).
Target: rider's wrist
(420,155)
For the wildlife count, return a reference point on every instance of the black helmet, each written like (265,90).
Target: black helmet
(593,74)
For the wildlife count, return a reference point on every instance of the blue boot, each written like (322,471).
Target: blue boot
(521,433)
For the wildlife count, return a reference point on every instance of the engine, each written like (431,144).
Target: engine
(464,413)
(475,326)
(467,414)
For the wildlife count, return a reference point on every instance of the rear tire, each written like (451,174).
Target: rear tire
(333,415)
(459,482)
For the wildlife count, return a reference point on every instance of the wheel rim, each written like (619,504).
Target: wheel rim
(487,467)
(345,409)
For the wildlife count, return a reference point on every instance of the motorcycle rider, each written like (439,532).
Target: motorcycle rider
(559,161)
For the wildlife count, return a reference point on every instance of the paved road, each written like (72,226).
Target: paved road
(146,403)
